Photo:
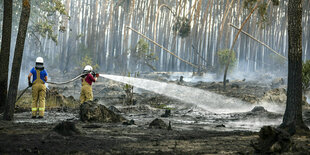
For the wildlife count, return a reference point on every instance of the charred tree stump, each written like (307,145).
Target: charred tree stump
(272,140)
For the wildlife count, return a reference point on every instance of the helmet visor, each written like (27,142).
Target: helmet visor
(39,65)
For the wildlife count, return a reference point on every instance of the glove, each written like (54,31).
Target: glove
(97,74)
(29,84)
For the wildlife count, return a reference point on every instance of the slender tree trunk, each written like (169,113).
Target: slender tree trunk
(83,20)
(18,55)
(93,33)
(220,33)
(292,119)
(209,49)
(5,50)
(115,40)
(111,38)
(64,49)
(89,26)
(71,34)
(236,37)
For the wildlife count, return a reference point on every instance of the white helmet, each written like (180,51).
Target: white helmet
(88,68)
(39,60)
(39,63)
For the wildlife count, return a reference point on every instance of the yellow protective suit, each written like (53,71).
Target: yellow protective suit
(38,94)
(86,92)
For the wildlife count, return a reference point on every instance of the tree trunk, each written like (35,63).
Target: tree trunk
(93,36)
(5,50)
(18,55)
(209,49)
(220,32)
(292,119)
(71,34)
(64,49)
(232,46)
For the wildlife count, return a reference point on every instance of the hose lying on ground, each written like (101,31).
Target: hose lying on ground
(22,93)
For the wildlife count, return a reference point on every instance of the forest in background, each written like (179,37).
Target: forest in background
(79,31)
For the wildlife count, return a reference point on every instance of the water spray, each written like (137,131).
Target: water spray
(206,100)
(209,101)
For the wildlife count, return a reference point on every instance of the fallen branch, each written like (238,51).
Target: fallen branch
(165,49)
(258,41)
(195,50)
(233,45)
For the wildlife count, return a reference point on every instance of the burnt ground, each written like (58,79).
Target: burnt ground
(119,139)
(40,138)
(193,130)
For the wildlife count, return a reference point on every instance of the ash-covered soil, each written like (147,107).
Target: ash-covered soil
(193,130)
(26,138)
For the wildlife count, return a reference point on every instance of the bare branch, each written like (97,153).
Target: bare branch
(165,49)
(258,41)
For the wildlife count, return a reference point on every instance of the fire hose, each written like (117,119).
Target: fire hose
(60,83)
(22,93)
(56,83)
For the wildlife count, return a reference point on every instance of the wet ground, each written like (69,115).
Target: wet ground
(195,129)
(119,139)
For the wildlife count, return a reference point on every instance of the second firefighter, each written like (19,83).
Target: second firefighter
(87,79)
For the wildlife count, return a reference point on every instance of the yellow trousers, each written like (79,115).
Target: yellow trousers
(86,92)
(38,94)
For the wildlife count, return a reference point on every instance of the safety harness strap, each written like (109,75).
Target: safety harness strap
(84,82)
(38,80)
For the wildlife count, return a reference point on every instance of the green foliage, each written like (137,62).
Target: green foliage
(129,91)
(88,61)
(249,4)
(143,55)
(58,6)
(43,16)
(43,28)
(262,8)
(51,7)
(227,55)
(275,2)
(306,75)
(262,11)
(182,26)
(142,48)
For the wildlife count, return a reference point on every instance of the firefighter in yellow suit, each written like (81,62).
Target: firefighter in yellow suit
(39,77)
(87,80)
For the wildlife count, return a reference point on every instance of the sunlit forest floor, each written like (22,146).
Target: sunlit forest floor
(195,129)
